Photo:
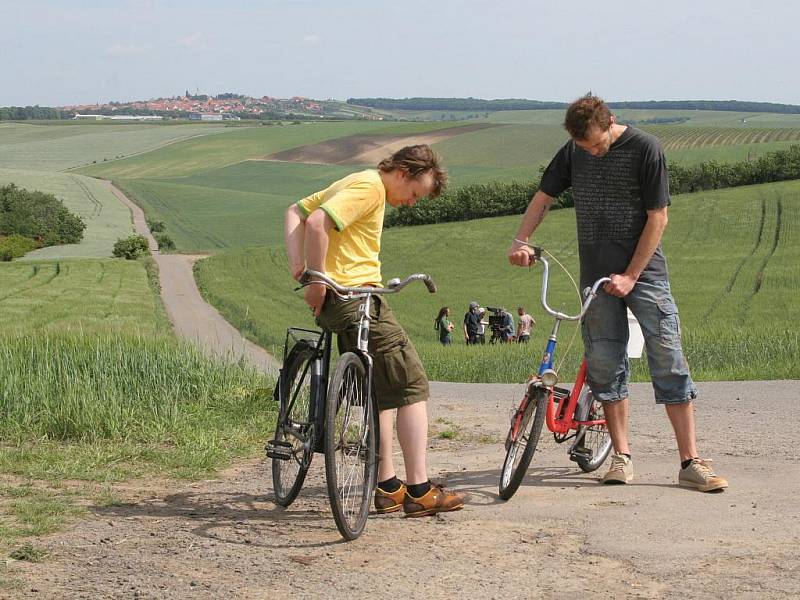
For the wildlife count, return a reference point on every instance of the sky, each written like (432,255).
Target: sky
(57,53)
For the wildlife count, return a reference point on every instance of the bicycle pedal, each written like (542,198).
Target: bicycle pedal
(278,449)
(581,452)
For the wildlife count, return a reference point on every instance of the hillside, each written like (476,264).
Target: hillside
(733,255)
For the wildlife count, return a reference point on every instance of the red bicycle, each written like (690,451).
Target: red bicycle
(570,414)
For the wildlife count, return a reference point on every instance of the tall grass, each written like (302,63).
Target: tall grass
(138,389)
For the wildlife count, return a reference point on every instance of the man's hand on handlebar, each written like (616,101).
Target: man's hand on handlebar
(521,255)
(620,285)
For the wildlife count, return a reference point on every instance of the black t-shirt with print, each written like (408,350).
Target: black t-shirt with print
(612,196)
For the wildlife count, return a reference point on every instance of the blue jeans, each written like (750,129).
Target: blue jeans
(605,339)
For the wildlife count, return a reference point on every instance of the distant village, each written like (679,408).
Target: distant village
(201,107)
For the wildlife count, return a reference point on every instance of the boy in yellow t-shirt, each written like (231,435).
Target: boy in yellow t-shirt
(338,230)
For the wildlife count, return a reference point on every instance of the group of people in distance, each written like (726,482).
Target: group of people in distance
(618,176)
(474,326)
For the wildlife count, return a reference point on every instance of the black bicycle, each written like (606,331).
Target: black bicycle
(336,416)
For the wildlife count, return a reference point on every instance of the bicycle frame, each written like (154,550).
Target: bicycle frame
(561,403)
(320,368)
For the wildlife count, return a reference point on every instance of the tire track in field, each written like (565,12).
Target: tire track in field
(98,206)
(102,273)
(732,281)
(776,238)
(33,278)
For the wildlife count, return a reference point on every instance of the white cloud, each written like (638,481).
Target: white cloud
(192,40)
(126,50)
(311,40)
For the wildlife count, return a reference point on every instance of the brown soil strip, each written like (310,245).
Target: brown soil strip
(366,149)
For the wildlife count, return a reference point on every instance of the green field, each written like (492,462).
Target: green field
(217,192)
(52,147)
(202,154)
(106,218)
(734,260)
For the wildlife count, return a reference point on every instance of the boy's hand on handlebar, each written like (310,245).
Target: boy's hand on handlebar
(315,296)
(297,270)
(620,285)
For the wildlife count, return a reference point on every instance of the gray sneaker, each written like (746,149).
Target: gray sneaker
(699,475)
(620,471)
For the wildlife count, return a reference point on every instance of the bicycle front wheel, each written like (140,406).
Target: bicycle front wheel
(294,431)
(351,459)
(593,443)
(522,440)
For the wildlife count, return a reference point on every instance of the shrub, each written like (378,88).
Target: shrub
(38,215)
(156,226)
(15,246)
(164,241)
(131,247)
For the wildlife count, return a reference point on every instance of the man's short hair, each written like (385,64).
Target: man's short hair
(584,113)
(416,161)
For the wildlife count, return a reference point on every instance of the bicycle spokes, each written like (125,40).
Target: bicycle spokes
(353,421)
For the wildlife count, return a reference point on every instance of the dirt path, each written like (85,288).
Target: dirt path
(561,535)
(191,316)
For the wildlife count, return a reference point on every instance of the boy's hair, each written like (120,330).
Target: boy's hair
(416,161)
(585,112)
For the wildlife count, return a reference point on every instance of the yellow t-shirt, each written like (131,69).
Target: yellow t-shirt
(356,204)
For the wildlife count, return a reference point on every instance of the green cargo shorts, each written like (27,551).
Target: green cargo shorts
(398,377)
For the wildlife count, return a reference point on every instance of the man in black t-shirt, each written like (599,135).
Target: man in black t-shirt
(620,186)
(472,322)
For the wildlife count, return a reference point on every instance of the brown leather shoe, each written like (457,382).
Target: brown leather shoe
(435,501)
(388,502)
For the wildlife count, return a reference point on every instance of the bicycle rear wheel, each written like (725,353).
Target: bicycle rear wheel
(294,432)
(522,440)
(351,460)
(593,443)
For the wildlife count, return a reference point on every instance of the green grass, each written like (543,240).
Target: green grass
(88,296)
(735,287)
(56,147)
(106,218)
(34,511)
(504,146)
(108,408)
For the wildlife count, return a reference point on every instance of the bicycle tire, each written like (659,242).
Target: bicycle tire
(351,457)
(523,446)
(596,438)
(294,425)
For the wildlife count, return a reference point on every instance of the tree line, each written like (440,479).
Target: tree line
(496,199)
(25,113)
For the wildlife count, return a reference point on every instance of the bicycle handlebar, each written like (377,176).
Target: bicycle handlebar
(589,293)
(392,286)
